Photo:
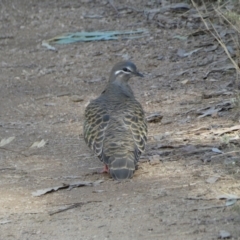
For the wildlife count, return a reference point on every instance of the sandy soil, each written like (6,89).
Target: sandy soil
(189,161)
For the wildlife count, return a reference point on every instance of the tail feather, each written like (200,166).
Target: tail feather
(122,168)
(121,174)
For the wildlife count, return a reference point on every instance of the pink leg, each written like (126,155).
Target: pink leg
(105,169)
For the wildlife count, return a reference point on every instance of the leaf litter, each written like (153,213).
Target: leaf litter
(213,110)
(224,68)
(70,186)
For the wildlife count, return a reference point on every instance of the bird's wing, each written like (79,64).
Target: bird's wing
(136,122)
(96,122)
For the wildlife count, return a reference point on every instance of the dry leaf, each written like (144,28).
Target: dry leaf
(216,94)
(38,144)
(216,150)
(212,180)
(184,82)
(5,222)
(182,53)
(228,130)
(209,112)
(224,234)
(180,7)
(223,68)
(83,183)
(47,190)
(211,48)
(6,141)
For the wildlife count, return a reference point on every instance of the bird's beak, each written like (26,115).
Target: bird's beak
(138,74)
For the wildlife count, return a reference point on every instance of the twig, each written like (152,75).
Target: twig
(64,94)
(132,8)
(113,6)
(18,111)
(7,37)
(71,207)
(222,15)
(206,208)
(223,154)
(199,198)
(10,150)
(20,66)
(7,168)
(42,97)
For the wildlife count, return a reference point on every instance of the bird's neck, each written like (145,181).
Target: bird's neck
(120,87)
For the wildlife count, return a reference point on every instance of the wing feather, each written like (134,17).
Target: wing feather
(95,125)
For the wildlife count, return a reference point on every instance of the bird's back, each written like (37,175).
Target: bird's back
(115,129)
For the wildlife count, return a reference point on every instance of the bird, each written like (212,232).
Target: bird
(115,127)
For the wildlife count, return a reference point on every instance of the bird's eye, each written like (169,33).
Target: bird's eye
(126,70)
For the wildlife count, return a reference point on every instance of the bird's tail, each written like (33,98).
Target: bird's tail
(122,167)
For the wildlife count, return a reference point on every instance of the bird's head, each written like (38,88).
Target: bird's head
(123,71)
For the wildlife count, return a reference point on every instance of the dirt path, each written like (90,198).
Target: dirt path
(174,193)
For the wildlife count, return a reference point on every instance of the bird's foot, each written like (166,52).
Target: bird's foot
(105,169)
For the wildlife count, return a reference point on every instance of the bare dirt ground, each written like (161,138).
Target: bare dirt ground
(190,160)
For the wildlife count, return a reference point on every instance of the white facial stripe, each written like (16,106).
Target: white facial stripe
(121,71)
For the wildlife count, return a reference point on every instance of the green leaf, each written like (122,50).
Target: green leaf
(93,36)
